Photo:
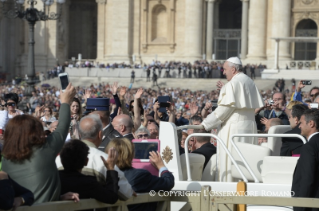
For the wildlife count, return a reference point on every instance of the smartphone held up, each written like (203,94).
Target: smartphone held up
(306,82)
(64,80)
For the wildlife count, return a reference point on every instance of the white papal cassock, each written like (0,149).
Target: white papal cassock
(235,113)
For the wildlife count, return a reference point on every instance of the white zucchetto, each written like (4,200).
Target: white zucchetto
(234,60)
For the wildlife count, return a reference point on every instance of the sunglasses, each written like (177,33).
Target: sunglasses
(11,104)
(142,135)
(312,95)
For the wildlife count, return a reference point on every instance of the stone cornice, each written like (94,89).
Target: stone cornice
(302,10)
(101,1)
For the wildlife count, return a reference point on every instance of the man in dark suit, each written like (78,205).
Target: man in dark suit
(305,182)
(292,146)
(100,106)
(124,125)
(203,146)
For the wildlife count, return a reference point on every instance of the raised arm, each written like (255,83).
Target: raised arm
(171,109)
(155,108)
(193,108)
(57,138)
(122,100)
(137,111)
(204,112)
(114,88)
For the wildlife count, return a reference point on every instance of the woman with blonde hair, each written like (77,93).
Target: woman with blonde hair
(141,180)
(290,105)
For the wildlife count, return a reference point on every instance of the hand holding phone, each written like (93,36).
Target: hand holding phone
(163,103)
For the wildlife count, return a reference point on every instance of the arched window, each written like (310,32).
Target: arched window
(159,24)
(306,51)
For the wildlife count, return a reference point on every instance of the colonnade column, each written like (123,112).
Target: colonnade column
(193,29)
(210,29)
(244,28)
(281,25)
(101,21)
(257,30)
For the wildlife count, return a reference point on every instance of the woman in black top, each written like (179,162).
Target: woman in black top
(74,158)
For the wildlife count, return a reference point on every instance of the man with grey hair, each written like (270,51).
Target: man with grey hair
(90,129)
(237,102)
(124,125)
(142,133)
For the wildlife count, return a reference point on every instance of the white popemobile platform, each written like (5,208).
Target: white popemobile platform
(266,173)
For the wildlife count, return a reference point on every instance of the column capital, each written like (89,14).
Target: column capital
(101,1)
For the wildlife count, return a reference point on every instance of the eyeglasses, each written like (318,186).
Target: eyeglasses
(142,135)
(312,95)
(11,104)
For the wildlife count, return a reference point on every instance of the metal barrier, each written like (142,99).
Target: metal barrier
(163,204)
(220,203)
(221,142)
(260,135)
(189,177)
(198,201)
(203,200)
(190,127)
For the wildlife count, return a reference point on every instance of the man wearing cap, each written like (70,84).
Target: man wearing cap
(237,102)
(100,106)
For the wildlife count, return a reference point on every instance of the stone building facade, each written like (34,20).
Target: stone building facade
(108,31)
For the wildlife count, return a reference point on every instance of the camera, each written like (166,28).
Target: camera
(215,105)
(270,102)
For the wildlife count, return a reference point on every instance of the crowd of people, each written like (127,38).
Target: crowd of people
(86,134)
(197,69)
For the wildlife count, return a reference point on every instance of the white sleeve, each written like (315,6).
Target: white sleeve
(216,118)
(3,119)
(125,190)
(58,163)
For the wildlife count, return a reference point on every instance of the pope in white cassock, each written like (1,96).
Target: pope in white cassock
(237,102)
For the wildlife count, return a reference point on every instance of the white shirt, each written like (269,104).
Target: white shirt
(51,119)
(57,93)
(18,112)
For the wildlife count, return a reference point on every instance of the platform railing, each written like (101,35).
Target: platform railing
(260,135)
(204,201)
(221,143)
(221,203)
(84,204)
